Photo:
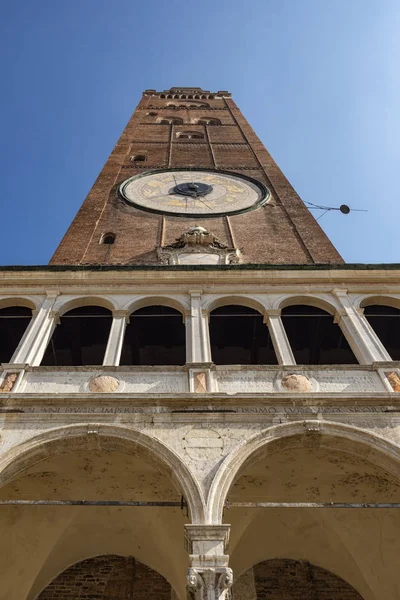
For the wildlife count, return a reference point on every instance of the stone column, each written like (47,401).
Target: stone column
(364,342)
(198,348)
(208,577)
(116,338)
(279,338)
(33,344)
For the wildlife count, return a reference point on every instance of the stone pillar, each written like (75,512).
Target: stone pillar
(279,338)
(208,577)
(116,338)
(33,344)
(198,348)
(364,342)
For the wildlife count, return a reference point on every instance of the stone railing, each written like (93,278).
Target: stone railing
(203,378)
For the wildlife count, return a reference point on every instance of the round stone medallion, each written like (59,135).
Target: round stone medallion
(297,383)
(103,383)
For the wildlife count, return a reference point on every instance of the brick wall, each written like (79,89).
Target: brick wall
(282,232)
(108,578)
(283,579)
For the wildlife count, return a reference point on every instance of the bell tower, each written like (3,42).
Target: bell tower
(189,182)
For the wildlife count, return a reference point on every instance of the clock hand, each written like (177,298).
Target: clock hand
(199,198)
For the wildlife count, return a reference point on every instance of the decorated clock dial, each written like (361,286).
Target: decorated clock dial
(193,193)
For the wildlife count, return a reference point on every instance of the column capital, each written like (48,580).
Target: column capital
(121,313)
(209,584)
(52,294)
(273,312)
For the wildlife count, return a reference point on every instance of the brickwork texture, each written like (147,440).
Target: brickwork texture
(108,578)
(283,579)
(281,232)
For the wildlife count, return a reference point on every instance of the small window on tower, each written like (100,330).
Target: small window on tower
(190,135)
(138,158)
(108,238)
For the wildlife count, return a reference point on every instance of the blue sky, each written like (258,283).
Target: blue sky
(319,80)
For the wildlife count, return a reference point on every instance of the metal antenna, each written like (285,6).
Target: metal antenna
(344,209)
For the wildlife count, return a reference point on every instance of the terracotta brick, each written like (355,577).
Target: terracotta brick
(282,232)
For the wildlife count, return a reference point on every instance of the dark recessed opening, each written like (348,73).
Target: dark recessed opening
(314,337)
(108,238)
(385,321)
(239,337)
(154,336)
(13,322)
(80,338)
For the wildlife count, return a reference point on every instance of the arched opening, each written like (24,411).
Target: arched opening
(108,577)
(108,239)
(40,542)
(155,336)
(80,338)
(285,579)
(138,158)
(239,336)
(313,466)
(190,135)
(208,122)
(13,323)
(385,321)
(314,337)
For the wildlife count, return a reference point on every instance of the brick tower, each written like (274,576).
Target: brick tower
(189,131)
(198,399)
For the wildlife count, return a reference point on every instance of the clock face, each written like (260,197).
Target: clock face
(193,193)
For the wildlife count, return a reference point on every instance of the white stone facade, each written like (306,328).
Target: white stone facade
(207,427)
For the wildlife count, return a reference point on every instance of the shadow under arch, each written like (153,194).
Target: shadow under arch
(156,301)
(377,450)
(307,301)
(97,436)
(247,301)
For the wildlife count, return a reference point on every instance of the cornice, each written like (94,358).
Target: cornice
(82,276)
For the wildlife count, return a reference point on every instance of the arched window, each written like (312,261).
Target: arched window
(162,95)
(385,321)
(239,336)
(197,97)
(138,158)
(314,337)
(190,97)
(154,336)
(80,338)
(169,96)
(190,135)
(108,238)
(208,122)
(13,322)
(171,121)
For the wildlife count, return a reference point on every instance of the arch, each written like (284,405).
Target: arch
(379,301)
(31,303)
(80,338)
(240,336)
(313,334)
(316,301)
(190,135)
(379,450)
(155,335)
(286,574)
(383,316)
(58,441)
(156,301)
(248,301)
(108,238)
(106,567)
(14,321)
